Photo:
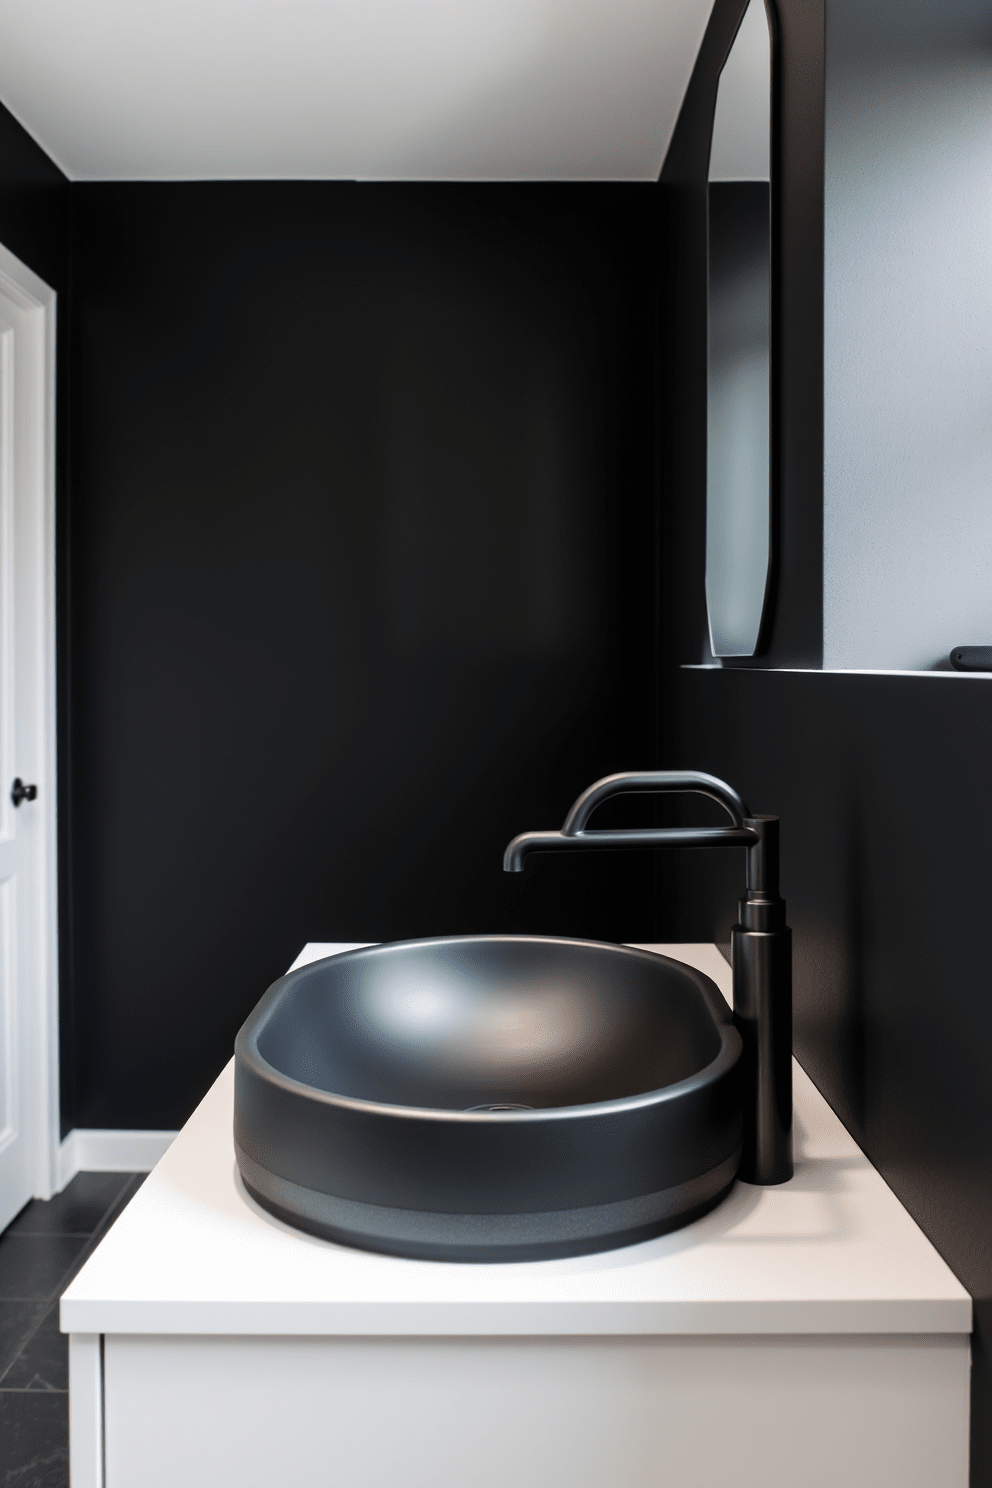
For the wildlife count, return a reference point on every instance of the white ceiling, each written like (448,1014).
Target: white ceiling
(370,89)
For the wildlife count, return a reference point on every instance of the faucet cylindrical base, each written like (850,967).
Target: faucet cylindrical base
(762,965)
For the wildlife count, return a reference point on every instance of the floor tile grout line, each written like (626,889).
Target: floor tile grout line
(24,1341)
(46,1307)
(12,1233)
(49,1234)
(46,1302)
(27,1390)
(49,1297)
(23,1345)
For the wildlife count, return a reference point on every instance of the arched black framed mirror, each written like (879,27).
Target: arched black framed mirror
(738,467)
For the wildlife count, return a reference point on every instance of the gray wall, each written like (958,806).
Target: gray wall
(907,499)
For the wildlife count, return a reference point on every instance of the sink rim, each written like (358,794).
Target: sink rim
(728,1054)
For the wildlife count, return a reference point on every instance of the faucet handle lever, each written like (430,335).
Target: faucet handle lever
(657,781)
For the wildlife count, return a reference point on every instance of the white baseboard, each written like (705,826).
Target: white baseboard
(99,1151)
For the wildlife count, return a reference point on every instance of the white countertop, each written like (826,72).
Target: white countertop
(832,1251)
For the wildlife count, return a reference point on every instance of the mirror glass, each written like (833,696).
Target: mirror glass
(738,504)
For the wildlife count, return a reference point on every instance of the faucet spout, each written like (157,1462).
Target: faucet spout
(761,942)
(526,842)
(626,837)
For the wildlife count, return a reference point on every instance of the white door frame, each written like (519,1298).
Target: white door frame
(38,1033)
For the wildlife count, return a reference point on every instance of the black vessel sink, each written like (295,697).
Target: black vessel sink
(489,1097)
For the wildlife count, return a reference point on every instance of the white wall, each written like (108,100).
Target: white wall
(908,331)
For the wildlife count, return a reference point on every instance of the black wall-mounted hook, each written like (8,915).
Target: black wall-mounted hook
(21,792)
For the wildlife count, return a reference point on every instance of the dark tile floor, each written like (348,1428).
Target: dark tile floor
(40,1253)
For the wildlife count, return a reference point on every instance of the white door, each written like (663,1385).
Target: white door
(28,946)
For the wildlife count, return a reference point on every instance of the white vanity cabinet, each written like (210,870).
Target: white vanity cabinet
(806,1334)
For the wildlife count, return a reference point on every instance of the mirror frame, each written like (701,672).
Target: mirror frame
(766,623)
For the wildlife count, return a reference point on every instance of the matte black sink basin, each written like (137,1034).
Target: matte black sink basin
(489,1098)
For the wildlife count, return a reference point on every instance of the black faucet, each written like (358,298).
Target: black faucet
(761,944)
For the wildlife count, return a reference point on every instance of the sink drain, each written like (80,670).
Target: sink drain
(504,1106)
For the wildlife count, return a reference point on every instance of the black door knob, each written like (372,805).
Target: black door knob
(21,792)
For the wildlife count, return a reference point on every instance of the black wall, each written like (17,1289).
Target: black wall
(877,779)
(34,199)
(363,583)
(885,868)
